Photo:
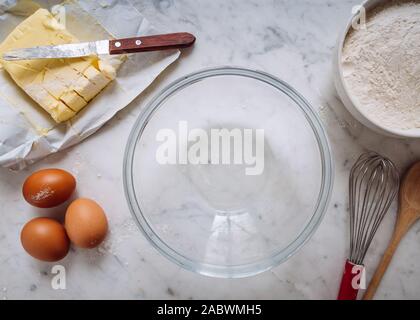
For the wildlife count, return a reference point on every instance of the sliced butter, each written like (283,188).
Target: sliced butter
(81,64)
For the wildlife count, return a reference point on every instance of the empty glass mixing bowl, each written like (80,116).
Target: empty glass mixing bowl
(245,205)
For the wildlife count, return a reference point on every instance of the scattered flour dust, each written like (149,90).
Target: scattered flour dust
(116,239)
(381,65)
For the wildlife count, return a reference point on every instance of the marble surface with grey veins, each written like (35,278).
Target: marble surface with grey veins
(293,40)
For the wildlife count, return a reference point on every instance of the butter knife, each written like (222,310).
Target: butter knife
(118,46)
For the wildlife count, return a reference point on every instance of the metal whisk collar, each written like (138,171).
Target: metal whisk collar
(373,184)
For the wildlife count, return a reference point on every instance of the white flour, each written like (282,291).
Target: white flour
(381,65)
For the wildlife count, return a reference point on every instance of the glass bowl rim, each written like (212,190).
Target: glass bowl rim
(242,270)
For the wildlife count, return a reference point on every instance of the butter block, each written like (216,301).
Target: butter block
(62,87)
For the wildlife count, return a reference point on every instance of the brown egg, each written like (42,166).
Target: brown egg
(45,239)
(86,223)
(48,188)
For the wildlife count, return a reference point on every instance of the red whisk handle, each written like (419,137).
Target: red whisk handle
(350,282)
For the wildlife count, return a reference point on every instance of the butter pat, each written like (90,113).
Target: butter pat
(96,77)
(62,87)
(73,101)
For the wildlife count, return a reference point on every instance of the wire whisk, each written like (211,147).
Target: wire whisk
(373,185)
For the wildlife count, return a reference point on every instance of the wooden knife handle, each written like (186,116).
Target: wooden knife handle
(151,43)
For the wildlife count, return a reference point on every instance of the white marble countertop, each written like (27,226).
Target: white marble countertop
(294,41)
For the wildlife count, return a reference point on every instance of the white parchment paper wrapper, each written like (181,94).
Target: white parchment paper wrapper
(27,133)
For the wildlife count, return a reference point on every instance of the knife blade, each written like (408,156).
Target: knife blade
(73,50)
(102,47)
